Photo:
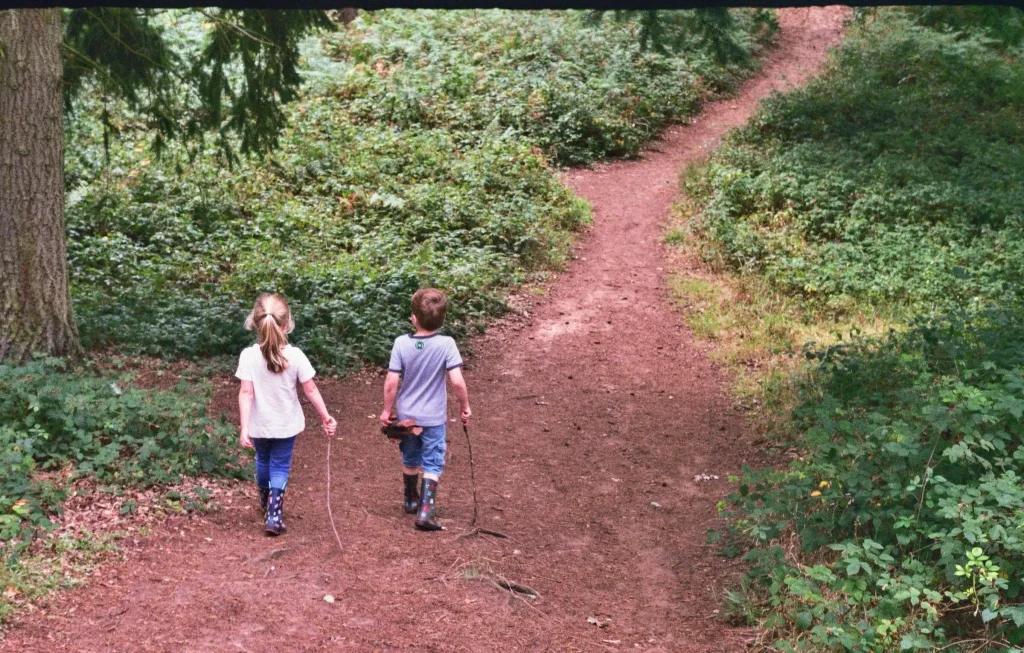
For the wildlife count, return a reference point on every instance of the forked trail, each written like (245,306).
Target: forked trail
(593,415)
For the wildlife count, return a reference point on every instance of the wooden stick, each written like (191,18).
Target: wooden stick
(330,515)
(483,531)
(515,587)
(472,473)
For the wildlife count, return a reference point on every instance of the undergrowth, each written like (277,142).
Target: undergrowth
(101,426)
(895,179)
(861,242)
(419,154)
(59,426)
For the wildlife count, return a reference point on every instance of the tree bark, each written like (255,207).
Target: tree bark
(36,315)
(346,15)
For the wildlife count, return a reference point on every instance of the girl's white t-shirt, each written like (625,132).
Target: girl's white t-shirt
(276,411)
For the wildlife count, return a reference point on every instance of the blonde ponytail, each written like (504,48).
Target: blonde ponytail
(272,320)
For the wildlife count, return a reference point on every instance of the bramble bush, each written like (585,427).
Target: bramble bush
(578,91)
(892,184)
(54,419)
(906,508)
(418,157)
(896,179)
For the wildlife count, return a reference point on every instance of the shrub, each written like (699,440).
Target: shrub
(907,505)
(895,180)
(578,91)
(891,185)
(54,419)
(419,157)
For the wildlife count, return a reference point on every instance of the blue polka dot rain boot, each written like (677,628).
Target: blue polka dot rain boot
(275,522)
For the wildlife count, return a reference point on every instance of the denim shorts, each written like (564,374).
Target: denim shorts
(425,450)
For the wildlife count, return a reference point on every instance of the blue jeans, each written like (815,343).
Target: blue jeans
(273,460)
(425,450)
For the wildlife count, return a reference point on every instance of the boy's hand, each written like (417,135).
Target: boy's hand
(330,426)
(245,440)
(466,414)
(385,418)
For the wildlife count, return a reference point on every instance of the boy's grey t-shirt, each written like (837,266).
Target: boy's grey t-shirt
(423,362)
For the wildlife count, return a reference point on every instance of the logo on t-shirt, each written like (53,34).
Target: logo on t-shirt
(419,345)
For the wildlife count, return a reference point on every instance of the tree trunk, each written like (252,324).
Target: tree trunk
(35,299)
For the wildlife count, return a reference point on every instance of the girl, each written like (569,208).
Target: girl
(268,402)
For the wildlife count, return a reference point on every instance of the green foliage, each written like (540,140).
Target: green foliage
(1005,24)
(893,186)
(347,221)
(907,502)
(896,177)
(53,418)
(712,28)
(578,91)
(235,84)
(411,161)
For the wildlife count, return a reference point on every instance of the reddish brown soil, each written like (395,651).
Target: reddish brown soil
(594,412)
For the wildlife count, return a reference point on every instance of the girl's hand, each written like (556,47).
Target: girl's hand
(245,440)
(330,425)
(466,414)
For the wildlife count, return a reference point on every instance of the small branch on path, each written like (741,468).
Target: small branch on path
(483,531)
(501,583)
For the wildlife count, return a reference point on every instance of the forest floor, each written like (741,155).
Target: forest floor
(594,412)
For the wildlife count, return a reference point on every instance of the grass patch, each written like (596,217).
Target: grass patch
(60,563)
(760,334)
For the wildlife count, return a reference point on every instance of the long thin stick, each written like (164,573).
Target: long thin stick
(329,513)
(472,473)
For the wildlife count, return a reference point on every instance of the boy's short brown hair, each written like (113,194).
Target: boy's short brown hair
(429,306)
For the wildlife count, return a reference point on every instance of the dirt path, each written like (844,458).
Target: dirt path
(595,412)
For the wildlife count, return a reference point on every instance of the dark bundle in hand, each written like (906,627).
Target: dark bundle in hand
(399,430)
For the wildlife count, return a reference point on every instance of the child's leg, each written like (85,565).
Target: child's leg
(434,444)
(280,463)
(412,454)
(262,447)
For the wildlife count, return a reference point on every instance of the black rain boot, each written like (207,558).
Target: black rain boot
(264,498)
(275,521)
(425,517)
(412,497)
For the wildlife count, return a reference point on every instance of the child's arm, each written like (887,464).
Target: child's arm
(459,385)
(390,392)
(313,394)
(245,399)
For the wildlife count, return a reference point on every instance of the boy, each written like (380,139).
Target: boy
(420,361)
